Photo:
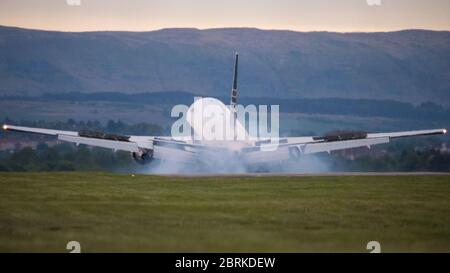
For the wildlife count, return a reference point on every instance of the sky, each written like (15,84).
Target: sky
(299,15)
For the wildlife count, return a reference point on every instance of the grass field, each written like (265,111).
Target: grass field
(110,212)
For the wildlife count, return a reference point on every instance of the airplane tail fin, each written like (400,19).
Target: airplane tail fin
(234,87)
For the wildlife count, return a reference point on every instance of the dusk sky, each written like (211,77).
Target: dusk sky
(300,15)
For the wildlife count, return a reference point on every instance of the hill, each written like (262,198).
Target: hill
(410,66)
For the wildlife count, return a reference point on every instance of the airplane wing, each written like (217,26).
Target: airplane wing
(262,151)
(105,140)
(294,147)
(160,147)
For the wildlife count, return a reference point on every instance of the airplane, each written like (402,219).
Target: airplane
(249,151)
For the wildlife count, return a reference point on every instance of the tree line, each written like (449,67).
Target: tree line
(418,154)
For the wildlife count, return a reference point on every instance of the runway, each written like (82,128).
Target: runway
(331,174)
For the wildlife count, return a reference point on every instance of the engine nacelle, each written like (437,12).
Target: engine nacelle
(143,156)
(295,153)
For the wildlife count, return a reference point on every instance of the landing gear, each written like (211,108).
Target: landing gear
(143,156)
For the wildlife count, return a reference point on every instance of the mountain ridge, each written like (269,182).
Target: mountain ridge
(408,65)
(222,28)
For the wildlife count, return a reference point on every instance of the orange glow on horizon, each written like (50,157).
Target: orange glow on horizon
(296,15)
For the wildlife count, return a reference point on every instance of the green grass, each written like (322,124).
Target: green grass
(110,212)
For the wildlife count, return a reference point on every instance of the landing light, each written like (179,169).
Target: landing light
(445,131)
(5,127)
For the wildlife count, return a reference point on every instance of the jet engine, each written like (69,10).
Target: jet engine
(294,153)
(143,156)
